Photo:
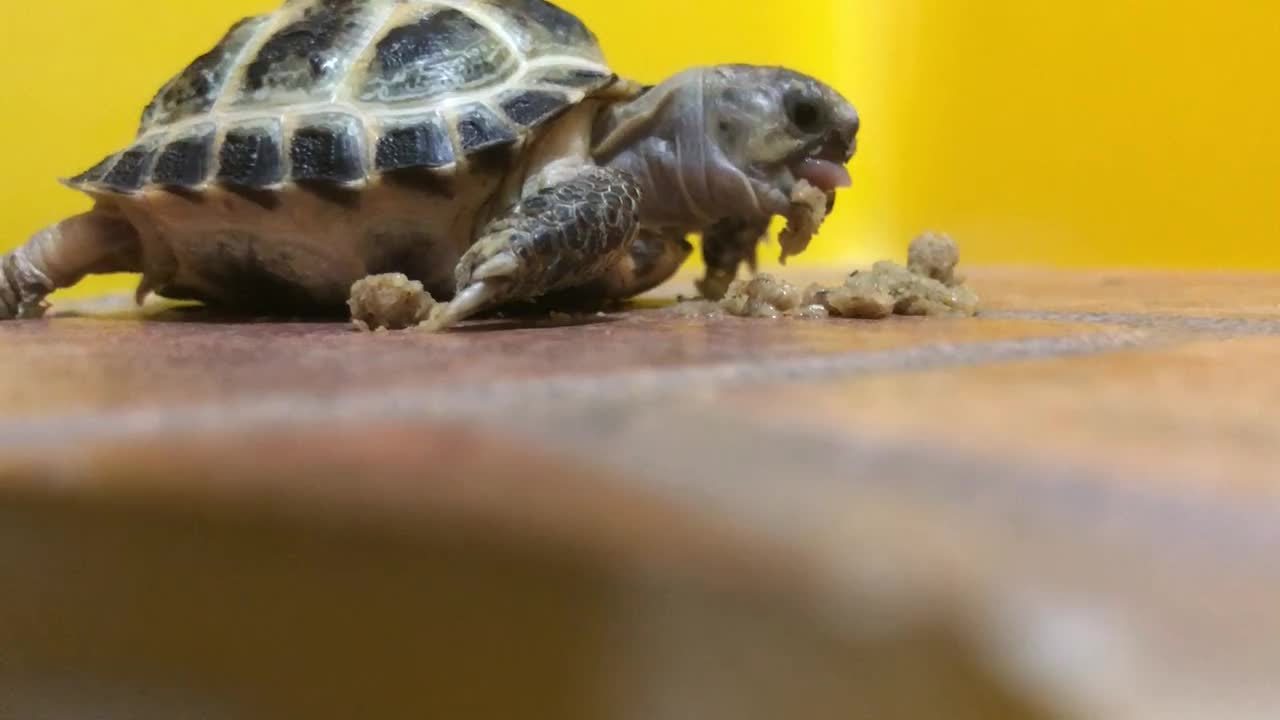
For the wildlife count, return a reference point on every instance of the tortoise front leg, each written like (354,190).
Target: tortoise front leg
(563,236)
(725,247)
(653,259)
(99,241)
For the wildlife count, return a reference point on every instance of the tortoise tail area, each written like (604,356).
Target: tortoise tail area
(59,256)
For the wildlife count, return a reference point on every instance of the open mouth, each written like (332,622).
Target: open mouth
(823,165)
(825,175)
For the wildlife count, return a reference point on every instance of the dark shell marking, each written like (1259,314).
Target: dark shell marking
(310,54)
(186,161)
(479,128)
(94,174)
(444,52)
(132,169)
(563,26)
(197,88)
(251,157)
(419,143)
(328,148)
(538,27)
(532,108)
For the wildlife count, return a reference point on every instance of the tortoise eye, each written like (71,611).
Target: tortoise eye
(805,114)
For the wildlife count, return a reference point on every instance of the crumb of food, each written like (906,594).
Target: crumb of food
(810,311)
(815,294)
(808,212)
(863,296)
(888,288)
(389,302)
(935,256)
(928,286)
(763,296)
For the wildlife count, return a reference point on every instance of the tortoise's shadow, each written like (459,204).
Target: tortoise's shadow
(193,315)
(523,317)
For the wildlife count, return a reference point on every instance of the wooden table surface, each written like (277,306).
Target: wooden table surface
(1067,507)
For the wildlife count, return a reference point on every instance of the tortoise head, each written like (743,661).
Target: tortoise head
(730,141)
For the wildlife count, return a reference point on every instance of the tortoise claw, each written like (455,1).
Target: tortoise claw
(473,299)
(503,265)
(563,236)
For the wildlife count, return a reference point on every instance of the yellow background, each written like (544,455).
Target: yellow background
(1088,133)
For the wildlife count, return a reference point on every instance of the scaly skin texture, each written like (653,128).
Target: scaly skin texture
(22,287)
(725,247)
(722,150)
(653,258)
(560,237)
(99,241)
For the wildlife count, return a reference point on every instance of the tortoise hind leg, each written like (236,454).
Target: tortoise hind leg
(99,241)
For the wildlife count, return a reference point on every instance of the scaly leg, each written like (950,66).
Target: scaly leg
(725,247)
(654,257)
(562,236)
(99,241)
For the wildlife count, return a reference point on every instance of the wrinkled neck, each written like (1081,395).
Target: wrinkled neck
(663,139)
(672,199)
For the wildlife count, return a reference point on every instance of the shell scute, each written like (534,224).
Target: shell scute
(541,28)
(328,148)
(480,128)
(251,157)
(187,160)
(130,171)
(573,77)
(94,174)
(309,52)
(196,89)
(531,108)
(442,52)
(564,27)
(415,143)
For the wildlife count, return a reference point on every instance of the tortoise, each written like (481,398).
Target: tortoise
(484,148)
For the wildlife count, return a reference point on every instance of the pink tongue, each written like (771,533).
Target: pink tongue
(824,174)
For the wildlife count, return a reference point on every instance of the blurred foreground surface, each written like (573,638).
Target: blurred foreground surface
(1068,508)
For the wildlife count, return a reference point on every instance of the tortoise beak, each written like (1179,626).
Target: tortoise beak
(843,137)
(822,161)
(840,143)
(822,164)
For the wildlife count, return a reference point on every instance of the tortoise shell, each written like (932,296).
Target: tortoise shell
(334,92)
